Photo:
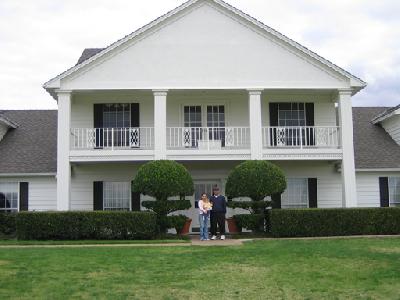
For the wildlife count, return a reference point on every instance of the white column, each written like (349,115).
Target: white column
(349,194)
(160,124)
(63,148)
(255,124)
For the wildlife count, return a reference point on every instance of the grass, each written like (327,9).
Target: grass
(273,269)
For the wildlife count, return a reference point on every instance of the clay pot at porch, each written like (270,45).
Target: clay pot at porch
(232,227)
(186,228)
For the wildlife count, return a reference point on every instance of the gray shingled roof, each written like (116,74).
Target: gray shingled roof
(373,146)
(88,53)
(32,147)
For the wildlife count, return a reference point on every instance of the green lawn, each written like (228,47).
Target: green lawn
(288,269)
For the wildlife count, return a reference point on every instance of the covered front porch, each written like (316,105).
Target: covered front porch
(107,185)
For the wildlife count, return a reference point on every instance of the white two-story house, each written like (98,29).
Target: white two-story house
(209,86)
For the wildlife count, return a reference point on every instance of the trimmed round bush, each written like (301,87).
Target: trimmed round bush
(255,179)
(162,179)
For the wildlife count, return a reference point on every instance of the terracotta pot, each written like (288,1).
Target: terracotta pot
(232,227)
(186,228)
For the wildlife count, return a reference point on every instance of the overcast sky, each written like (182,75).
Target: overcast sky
(42,38)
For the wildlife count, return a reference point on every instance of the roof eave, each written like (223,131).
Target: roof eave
(8,123)
(384,116)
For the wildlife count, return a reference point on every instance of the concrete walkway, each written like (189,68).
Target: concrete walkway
(194,241)
(97,245)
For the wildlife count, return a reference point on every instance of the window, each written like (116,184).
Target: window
(192,119)
(192,116)
(296,193)
(292,115)
(116,196)
(118,117)
(216,120)
(9,196)
(212,117)
(394,191)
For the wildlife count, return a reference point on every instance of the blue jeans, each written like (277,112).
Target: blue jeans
(203,219)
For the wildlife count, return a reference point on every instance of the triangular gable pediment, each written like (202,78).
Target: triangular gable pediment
(204,45)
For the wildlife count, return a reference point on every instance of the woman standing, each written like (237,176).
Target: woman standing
(204,215)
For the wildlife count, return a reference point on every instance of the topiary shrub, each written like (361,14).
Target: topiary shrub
(163,208)
(162,179)
(255,179)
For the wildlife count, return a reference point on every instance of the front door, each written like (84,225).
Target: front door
(200,187)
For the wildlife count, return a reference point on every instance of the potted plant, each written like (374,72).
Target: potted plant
(232,226)
(180,223)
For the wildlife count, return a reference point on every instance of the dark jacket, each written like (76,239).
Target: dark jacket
(219,204)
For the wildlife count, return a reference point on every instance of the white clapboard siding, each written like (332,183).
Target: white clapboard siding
(42,191)
(329,181)
(368,187)
(82,107)
(329,185)
(324,114)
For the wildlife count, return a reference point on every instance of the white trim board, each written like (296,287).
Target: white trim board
(26,174)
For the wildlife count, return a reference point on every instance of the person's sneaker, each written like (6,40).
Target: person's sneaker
(222,237)
(213,237)
(207,239)
(201,239)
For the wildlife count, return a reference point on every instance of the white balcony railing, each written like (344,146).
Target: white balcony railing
(112,138)
(208,138)
(301,136)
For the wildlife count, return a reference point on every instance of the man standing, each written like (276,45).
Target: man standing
(218,214)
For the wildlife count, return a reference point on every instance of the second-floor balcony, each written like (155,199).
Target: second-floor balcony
(301,137)
(205,139)
(204,125)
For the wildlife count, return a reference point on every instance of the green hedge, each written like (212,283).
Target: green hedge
(334,222)
(254,222)
(104,225)
(7,223)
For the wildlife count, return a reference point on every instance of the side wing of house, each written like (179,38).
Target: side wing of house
(27,161)
(377,155)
